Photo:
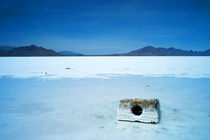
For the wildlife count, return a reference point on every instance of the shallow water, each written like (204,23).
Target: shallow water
(43,108)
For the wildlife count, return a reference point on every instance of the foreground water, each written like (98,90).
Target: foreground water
(37,103)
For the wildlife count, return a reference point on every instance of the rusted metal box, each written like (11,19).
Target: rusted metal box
(139,110)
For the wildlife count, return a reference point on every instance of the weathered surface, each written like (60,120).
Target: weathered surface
(139,110)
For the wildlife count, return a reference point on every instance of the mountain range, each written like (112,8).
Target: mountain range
(27,51)
(34,50)
(152,51)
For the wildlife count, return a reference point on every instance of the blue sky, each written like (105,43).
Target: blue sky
(105,26)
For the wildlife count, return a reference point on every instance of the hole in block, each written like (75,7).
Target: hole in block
(136,110)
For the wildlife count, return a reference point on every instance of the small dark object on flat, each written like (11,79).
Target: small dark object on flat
(148,85)
(45,73)
(68,68)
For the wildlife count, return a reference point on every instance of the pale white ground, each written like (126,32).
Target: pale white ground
(82,102)
(84,67)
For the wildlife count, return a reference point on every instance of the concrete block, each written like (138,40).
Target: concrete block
(139,110)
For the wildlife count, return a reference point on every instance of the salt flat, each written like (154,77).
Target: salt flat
(42,100)
(93,67)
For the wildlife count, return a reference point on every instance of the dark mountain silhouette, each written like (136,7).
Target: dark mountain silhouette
(29,51)
(151,51)
(34,50)
(6,48)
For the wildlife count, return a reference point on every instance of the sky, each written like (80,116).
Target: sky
(105,26)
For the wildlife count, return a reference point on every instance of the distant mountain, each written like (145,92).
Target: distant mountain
(69,53)
(6,48)
(29,51)
(151,51)
(34,50)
